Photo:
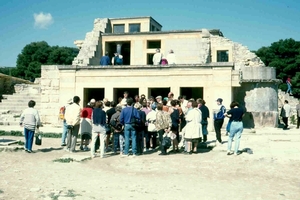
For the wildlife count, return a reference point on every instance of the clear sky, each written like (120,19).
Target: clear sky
(254,23)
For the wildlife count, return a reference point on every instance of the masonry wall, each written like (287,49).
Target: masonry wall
(260,101)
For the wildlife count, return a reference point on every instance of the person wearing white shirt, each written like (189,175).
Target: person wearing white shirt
(171,58)
(157,57)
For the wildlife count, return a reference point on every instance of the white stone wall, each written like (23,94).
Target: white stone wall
(241,55)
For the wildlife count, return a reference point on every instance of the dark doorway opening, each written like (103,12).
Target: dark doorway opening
(158,92)
(111,47)
(92,93)
(192,92)
(118,93)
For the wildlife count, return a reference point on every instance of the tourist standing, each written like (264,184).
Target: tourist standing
(152,131)
(163,124)
(98,129)
(289,85)
(129,130)
(298,114)
(171,58)
(72,117)
(193,128)
(219,119)
(285,114)
(157,57)
(65,125)
(105,60)
(174,114)
(123,103)
(118,134)
(30,120)
(204,122)
(86,127)
(236,128)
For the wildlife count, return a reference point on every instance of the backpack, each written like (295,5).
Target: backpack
(118,60)
(62,111)
(116,124)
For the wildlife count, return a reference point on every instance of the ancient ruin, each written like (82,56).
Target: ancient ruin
(208,66)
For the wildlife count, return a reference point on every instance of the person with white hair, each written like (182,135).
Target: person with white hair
(157,57)
(171,58)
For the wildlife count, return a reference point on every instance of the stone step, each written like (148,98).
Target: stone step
(23,96)
(15,108)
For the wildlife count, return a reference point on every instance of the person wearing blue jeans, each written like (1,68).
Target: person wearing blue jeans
(127,114)
(236,127)
(30,119)
(130,132)
(64,133)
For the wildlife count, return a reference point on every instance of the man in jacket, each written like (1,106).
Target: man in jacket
(72,117)
(126,117)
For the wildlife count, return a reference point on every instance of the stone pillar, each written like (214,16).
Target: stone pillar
(119,48)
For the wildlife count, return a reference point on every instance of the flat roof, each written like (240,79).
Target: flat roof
(121,18)
(212,31)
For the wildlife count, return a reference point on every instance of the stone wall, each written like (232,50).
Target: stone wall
(241,55)
(50,94)
(7,84)
(260,101)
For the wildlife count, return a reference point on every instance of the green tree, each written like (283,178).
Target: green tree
(283,55)
(36,54)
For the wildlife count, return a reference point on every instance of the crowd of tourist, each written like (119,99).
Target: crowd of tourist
(134,126)
(139,125)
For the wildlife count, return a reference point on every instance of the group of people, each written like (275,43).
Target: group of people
(160,59)
(140,121)
(117,59)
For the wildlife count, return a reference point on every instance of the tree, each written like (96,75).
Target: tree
(36,54)
(284,55)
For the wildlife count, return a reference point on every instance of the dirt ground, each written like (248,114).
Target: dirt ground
(210,174)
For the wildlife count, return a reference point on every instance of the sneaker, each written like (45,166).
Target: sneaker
(63,144)
(103,156)
(29,151)
(134,155)
(93,156)
(229,153)
(81,148)
(150,149)
(67,149)
(187,153)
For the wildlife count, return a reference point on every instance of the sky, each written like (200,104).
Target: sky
(253,23)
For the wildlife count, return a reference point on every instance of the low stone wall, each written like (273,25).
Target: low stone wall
(7,84)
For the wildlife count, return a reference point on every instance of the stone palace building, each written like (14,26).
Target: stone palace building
(208,66)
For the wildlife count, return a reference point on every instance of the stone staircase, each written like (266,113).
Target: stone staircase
(13,105)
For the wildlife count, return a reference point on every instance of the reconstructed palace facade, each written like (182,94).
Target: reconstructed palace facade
(208,66)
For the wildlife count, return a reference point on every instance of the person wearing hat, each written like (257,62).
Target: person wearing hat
(65,125)
(92,103)
(159,99)
(219,119)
